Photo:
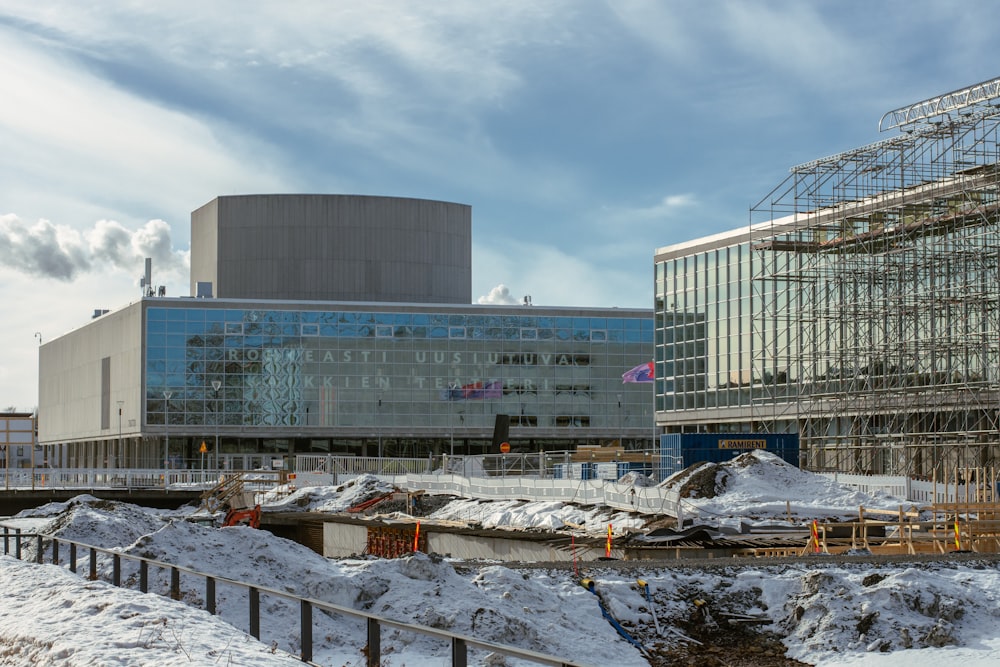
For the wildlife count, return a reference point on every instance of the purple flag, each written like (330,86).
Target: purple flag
(475,390)
(641,373)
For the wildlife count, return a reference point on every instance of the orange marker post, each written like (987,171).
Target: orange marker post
(416,539)
(815,533)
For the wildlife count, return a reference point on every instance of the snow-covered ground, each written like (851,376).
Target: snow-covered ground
(937,613)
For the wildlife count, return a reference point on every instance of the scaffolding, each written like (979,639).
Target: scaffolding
(876,284)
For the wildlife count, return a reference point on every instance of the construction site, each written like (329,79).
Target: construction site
(877,290)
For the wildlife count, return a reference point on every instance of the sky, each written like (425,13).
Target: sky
(862,614)
(584,134)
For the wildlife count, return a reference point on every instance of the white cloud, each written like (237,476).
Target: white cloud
(499,295)
(552,277)
(667,208)
(62,253)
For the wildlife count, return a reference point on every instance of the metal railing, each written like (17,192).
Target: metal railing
(374,623)
(131,478)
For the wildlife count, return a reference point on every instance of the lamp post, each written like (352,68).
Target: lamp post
(166,441)
(118,453)
(378,420)
(215,455)
(621,424)
(451,417)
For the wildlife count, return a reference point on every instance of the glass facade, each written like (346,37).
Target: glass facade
(703,332)
(340,373)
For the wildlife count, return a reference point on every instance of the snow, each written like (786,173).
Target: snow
(760,485)
(937,611)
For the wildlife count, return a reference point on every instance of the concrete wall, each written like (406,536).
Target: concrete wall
(205,247)
(342,540)
(77,398)
(333,248)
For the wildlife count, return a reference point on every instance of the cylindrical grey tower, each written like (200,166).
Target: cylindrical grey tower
(332,248)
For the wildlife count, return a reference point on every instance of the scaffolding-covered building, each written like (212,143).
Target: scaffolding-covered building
(860,308)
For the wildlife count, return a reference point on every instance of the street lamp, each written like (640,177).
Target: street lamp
(166,441)
(215,455)
(118,454)
(378,420)
(621,424)
(457,387)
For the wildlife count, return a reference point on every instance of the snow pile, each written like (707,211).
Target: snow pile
(52,617)
(937,605)
(942,611)
(494,604)
(759,485)
(327,498)
(547,515)
(103,523)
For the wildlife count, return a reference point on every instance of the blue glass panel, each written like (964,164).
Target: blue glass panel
(177,340)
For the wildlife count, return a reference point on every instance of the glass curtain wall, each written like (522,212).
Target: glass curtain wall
(341,373)
(703,335)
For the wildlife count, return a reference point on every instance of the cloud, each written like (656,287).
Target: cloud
(552,277)
(62,253)
(499,295)
(668,207)
(97,145)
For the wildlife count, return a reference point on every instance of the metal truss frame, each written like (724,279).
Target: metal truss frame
(876,288)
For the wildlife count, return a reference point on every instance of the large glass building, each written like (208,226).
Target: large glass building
(166,374)
(860,308)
